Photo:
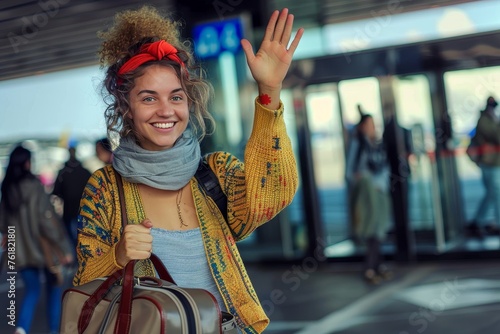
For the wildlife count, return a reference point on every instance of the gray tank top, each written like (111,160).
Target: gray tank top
(183,254)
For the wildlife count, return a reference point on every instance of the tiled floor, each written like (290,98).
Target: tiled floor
(452,297)
(310,297)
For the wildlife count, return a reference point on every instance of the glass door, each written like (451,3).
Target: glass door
(327,146)
(414,113)
(332,110)
(466,92)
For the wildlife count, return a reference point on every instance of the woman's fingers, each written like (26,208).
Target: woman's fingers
(135,237)
(136,242)
(143,228)
(279,29)
(147,223)
(271,25)
(287,33)
(280,26)
(296,40)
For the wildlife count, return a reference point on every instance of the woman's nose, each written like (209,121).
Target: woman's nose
(165,110)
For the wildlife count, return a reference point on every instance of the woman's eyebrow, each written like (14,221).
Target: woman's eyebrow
(148,91)
(180,89)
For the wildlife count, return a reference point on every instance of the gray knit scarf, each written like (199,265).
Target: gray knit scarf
(170,169)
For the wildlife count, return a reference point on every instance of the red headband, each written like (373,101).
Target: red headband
(149,52)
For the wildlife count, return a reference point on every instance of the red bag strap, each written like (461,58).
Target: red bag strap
(95,298)
(125,312)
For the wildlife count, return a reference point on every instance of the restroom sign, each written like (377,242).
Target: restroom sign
(213,38)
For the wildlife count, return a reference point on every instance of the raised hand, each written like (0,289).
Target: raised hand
(270,64)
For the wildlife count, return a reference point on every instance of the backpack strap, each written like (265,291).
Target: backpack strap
(210,184)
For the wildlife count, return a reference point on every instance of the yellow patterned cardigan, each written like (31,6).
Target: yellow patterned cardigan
(256,191)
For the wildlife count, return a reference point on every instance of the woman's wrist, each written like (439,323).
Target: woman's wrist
(269,88)
(269,97)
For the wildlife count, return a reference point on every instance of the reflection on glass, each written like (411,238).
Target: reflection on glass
(414,112)
(293,222)
(327,143)
(331,110)
(364,92)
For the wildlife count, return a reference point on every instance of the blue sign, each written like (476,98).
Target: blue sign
(213,38)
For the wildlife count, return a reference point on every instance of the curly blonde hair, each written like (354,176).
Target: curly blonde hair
(131,30)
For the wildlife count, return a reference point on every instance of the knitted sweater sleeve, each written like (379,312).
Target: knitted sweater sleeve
(262,186)
(97,230)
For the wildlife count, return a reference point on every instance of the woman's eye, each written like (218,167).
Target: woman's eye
(177,98)
(149,99)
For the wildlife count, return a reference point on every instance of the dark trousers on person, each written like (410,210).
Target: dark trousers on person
(71,230)
(373,254)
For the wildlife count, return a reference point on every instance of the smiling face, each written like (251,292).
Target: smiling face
(158,108)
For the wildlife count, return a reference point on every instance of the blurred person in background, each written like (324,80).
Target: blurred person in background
(398,146)
(367,175)
(41,242)
(68,186)
(487,139)
(103,150)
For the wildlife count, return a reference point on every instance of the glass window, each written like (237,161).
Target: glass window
(414,113)
(466,92)
(364,92)
(327,145)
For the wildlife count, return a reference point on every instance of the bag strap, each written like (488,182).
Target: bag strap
(159,266)
(95,298)
(210,184)
(125,311)
(121,196)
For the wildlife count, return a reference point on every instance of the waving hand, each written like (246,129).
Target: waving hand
(270,64)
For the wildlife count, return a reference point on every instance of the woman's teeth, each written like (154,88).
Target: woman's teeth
(163,125)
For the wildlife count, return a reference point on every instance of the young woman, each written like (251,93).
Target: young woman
(367,174)
(158,106)
(26,210)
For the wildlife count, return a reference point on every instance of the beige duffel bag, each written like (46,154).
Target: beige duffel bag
(123,304)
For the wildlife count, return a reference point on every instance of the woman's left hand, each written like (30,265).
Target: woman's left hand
(270,64)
